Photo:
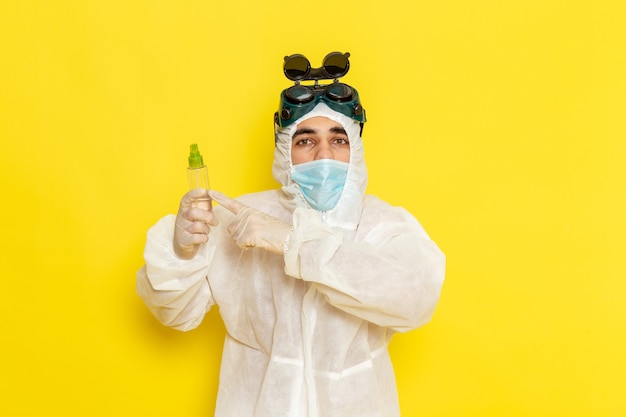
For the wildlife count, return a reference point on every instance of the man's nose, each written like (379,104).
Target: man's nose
(324,152)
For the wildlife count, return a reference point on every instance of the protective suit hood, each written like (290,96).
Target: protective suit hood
(347,213)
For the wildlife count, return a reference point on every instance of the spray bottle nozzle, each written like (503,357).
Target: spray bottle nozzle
(195,159)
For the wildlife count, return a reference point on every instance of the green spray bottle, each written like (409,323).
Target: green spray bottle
(198,176)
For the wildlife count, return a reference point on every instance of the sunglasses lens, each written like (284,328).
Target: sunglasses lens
(336,64)
(299,94)
(339,92)
(296,67)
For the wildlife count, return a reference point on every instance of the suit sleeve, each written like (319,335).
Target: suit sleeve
(391,276)
(176,291)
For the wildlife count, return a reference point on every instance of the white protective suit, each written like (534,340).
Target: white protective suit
(307,332)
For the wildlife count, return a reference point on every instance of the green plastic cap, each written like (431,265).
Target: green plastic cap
(195,159)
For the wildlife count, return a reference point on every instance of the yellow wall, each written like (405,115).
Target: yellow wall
(499,124)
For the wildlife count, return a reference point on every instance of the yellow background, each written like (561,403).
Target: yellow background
(499,124)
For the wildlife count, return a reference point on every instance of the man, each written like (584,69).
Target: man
(311,280)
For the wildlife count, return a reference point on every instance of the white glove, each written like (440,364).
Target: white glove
(194,217)
(253,228)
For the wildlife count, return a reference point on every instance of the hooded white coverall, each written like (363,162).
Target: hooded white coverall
(307,332)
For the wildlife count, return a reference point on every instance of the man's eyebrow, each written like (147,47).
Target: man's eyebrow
(338,129)
(304,131)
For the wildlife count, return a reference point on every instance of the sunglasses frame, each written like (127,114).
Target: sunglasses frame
(298,68)
(299,99)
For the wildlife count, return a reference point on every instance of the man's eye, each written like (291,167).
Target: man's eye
(303,142)
(342,141)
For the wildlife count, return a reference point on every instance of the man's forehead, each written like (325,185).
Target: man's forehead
(318,125)
(319,122)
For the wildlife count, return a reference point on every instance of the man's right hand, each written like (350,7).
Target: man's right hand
(194,217)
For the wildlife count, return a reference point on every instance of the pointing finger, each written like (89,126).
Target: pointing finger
(233,206)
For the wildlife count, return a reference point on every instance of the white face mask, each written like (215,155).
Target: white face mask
(321,182)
